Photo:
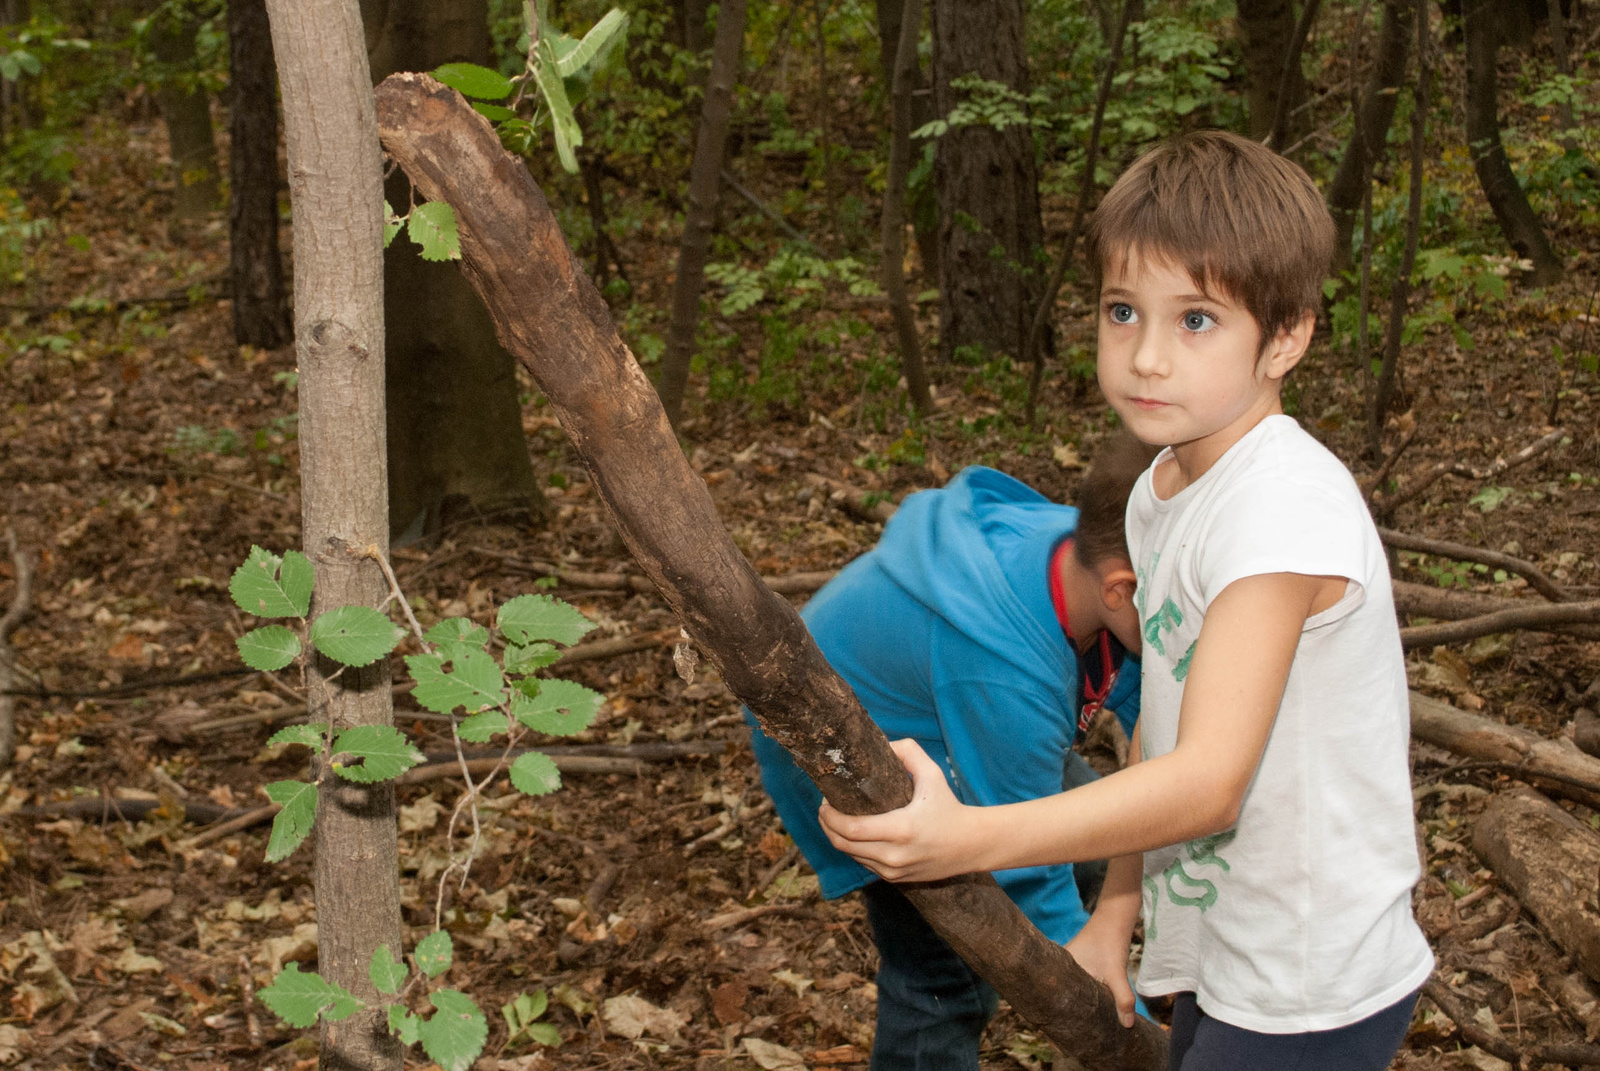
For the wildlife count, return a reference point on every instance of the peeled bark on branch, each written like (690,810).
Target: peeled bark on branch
(550,316)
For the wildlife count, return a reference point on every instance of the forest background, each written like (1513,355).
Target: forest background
(819,362)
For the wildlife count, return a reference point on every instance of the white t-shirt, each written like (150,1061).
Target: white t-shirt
(1299,917)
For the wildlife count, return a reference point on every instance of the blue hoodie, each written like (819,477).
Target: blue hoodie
(946,633)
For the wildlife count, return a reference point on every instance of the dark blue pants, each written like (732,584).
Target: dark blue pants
(1201,1043)
(932,1008)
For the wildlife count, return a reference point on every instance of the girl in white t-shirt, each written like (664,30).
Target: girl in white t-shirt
(1264,825)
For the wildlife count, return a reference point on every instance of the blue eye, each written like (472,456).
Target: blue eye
(1121,313)
(1197,321)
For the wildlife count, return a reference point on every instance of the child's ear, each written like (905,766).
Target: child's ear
(1291,343)
(1117,584)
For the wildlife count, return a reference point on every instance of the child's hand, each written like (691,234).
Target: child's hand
(1103,951)
(922,841)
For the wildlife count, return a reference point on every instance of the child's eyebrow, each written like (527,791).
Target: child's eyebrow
(1117,291)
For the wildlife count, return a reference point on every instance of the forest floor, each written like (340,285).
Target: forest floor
(144,453)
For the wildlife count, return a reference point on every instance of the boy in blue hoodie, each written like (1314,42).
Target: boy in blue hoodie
(988,624)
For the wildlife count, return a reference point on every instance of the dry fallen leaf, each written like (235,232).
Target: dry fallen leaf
(133,962)
(773,1057)
(634,1017)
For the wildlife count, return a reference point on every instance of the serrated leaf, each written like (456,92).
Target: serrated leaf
(354,635)
(403,1025)
(527,618)
(528,657)
(269,586)
(392,224)
(456,635)
(558,708)
(535,774)
(384,751)
(434,953)
(268,648)
(292,824)
(471,80)
(299,997)
(482,727)
(454,1036)
(495,113)
(433,227)
(598,41)
(386,972)
(473,682)
(311,735)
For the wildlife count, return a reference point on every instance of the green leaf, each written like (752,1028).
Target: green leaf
(527,657)
(454,635)
(543,1034)
(392,223)
(298,998)
(433,227)
(535,774)
(524,1009)
(559,708)
(268,648)
(527,618)
(480,728)
(495,113)
(434,953)
(471,80)
(404,1025)
(387,973)
(293,823)
(269,586)
(354,635)
(562,121)
(1490,498)
(595,44)
(473,682)
(454,1036)
(384,751)
(310,735)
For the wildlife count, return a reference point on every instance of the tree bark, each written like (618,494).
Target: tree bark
(727,48)
(196,187)
(1285,106)
(991,236)
(1557,762)
(1268,29)
(923,206)
(551,317)
(1509,203)
(336,185)
(1370,132)
(894,204)
(255,267)
(456,446)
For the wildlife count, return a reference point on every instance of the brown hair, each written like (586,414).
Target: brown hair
(1235,215)
(1103,498)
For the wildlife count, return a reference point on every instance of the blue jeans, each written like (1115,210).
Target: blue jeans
(1201,1043)
(932,1008)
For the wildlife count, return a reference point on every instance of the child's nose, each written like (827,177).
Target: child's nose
(1149,358)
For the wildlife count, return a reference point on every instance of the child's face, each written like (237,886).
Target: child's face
(1183,368)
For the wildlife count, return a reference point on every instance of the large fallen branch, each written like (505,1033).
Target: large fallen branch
(548,313)
(1557,765)
(1460,552)
(1533,618)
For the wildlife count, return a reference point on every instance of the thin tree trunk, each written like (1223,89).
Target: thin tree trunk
(1041,315)
(336,184)
(260,305)
(1558,45)
(196,186)
(1370,131)
(1284,106)
(1509,203)
(1383,390)
(990,233)
(550,315)
(1268,29)
(726,49)
(894,205)
(923,207)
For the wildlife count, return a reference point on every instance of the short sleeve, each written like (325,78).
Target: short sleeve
(1306,526)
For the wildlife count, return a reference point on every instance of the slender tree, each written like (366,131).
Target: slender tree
(894,206)
(1370,131)
(1507,200)
(336,187)
(991,236)
(260,305)
(1267,28)
(196,185)
(923,207)
(727,48)
(1285,105)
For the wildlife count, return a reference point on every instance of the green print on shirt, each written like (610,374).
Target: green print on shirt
(1181,670)
(1202,851)
(1164,620)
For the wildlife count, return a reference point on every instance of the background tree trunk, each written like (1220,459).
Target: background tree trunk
(922,205)
(196,188)
(456,446)
(1370,133)
(550,315)
(336,176)
(1268,30)
(992,259)
(726,52)
(894,202)
(1506,197)
(255,268)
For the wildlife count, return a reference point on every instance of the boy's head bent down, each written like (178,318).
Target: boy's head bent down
(1098,580)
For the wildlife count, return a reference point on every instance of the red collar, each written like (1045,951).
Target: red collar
(1092,697)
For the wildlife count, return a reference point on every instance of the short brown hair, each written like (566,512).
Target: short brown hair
(1103,499)
(1234,214)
